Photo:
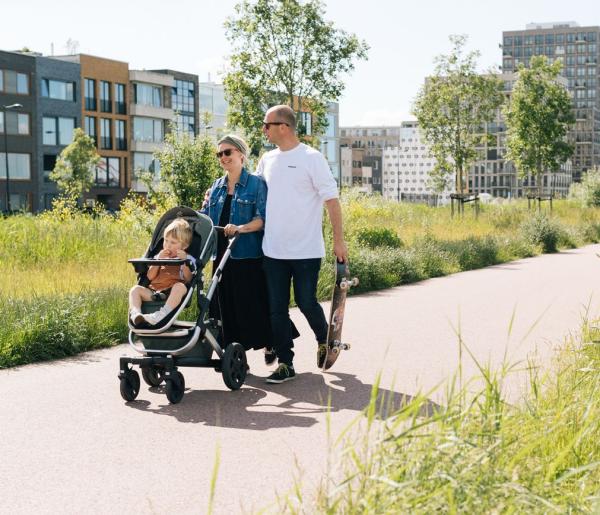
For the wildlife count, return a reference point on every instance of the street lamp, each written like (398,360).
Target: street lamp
(5,109)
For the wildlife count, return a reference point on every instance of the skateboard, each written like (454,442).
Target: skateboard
(343,283)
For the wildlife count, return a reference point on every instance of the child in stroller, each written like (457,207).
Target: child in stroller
(166,281)
(171,343)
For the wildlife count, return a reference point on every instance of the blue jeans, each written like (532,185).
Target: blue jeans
(304,273)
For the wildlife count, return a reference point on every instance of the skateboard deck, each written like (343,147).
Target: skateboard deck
(336,315)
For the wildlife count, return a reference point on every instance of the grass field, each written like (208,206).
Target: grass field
(69,264)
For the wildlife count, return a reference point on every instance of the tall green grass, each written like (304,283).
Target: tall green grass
(478,453)
(62,255)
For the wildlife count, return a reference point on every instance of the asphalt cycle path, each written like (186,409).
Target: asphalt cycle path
(69,444)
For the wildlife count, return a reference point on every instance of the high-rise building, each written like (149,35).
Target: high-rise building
(578,49)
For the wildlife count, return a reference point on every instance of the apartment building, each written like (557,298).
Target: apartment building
(492,173)
(151,114)
(105,116)
(407,167)
(578,48)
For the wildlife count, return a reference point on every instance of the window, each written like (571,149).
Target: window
(145,162)
(145,94)
(108,172)
(120,105)
(105,134)
(121,138)
(183,96)
(19,166)
(147,129)
(90,95)
(105,103)
(305,125)
(16,123)
(14,82)
(185,123)
(49,164)
(90,127)
(58,89)
(58,131)
(559,39)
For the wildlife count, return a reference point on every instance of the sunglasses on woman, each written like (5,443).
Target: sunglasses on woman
(227,152)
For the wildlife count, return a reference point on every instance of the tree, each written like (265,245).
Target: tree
(284,52)
(74,169)
(452,108)
(188,165)
(538,118)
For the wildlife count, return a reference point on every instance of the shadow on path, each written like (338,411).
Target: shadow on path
(304,399)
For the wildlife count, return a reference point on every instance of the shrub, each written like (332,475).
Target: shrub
(473,253)
(588,191)
(542,231)
(373,237)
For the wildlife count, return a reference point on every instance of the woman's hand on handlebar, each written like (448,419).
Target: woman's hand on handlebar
(231,229)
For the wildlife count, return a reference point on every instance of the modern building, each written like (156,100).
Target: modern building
(185,101)
(407,167)
(212,108)
(48,92)
(18,134)
(493,174)
(105,115)
(151,114)
(578,48)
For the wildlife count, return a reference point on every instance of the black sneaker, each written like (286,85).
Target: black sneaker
(270,356)
(283,373)
(321,354)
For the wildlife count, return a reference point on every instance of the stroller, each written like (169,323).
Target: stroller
(176,343)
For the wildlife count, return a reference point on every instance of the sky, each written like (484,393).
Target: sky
(186,35)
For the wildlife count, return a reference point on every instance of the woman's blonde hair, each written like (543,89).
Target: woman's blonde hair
(181,231)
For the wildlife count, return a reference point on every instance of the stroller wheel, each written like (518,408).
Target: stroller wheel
(175,388)
(153,376)
(130,385)
(233,366)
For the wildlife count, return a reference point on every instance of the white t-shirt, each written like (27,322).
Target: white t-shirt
(299,181)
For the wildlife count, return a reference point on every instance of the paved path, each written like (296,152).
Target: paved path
(69,444)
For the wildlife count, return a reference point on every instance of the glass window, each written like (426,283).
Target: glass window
(66,126)
(105,134)
(571,37)
(16,123)
(19,166)
(121,139)
(14,82)
(90,126)
(559,39)
(49,128)
(508,41)
(549,39)
(143,161)
(105,100)
(49,164)
(147,129)
(120,104)
(145,94)
(108,171)
(518,40)
(90,95)
(22,84)
(539,39)
(58,89)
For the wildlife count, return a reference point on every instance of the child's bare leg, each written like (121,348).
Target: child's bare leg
(178,291)
(137,294)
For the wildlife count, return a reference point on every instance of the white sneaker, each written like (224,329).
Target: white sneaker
(136,316)
(156,317)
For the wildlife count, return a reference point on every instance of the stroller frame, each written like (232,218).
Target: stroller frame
(178,343)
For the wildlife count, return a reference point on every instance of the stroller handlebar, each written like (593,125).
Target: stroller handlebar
(141,265)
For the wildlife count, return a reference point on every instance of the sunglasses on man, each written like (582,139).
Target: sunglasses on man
(227,152)
(267,125)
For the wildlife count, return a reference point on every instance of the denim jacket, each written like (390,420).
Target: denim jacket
(248,203)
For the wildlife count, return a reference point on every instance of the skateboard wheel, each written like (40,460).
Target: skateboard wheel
(344,285)
(354,281)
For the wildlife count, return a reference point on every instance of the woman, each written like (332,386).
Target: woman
(237,201)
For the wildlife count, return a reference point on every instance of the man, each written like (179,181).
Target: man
(299,183)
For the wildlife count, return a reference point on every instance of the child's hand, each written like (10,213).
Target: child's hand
(164,254)
(181,254)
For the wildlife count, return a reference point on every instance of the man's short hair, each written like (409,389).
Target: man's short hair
(285,114)
(181,231)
